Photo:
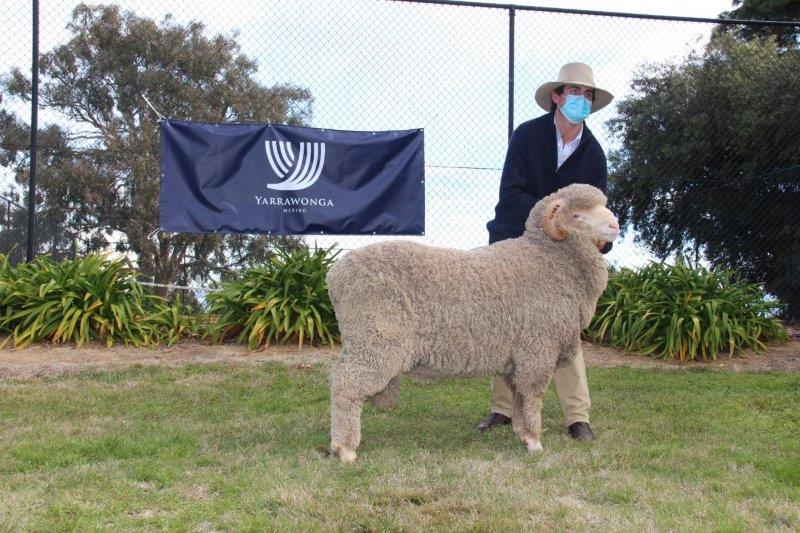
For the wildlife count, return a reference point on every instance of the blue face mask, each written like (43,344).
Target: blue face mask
(576,108)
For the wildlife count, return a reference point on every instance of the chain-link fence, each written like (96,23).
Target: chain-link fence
(702,136)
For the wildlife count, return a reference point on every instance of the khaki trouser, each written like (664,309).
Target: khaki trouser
(571,388)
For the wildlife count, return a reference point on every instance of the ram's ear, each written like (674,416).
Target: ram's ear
(549,224)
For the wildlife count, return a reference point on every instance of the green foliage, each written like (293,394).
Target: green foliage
(709,161)
(683,312)
(764,10)
(287,298)
(91,298)
(176,321)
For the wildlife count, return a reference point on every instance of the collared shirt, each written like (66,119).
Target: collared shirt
(565,149)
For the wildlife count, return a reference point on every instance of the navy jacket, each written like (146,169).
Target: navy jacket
(530,174)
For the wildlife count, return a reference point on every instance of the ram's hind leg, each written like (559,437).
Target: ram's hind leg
(347,401)
(387,398)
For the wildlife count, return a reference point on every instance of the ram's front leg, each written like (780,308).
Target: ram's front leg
(529,386)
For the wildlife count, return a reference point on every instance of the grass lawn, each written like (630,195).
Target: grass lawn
(232,448)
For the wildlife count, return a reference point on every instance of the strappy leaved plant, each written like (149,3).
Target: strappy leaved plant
(285,299)
(684,312)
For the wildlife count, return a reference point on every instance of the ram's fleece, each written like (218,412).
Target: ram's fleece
(514,308)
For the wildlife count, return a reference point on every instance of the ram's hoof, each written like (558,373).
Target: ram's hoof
(345,455)
(533,445)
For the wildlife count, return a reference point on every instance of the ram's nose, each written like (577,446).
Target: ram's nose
(611,230)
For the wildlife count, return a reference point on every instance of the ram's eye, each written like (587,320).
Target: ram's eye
(575,216)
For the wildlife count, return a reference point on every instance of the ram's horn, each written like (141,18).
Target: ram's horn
(548,221)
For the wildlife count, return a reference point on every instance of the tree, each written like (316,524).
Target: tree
(98,172)
(709,161)
(784,10)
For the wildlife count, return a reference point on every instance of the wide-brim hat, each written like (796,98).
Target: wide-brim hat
(573,74)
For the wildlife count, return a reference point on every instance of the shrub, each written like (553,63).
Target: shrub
(287,298)
(176,320)
(683,312)
(90,298)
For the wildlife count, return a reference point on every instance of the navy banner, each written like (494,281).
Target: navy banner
(258,178)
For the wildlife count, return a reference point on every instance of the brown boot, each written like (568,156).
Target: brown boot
(494,419)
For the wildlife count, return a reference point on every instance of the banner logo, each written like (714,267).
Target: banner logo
(296,172)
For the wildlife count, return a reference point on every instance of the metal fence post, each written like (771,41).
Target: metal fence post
(9,236)
(34,132)
(791,266)
(511,15)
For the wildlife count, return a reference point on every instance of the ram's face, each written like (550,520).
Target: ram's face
(599,220)
(560,220)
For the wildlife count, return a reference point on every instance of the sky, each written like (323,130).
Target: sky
(375,64)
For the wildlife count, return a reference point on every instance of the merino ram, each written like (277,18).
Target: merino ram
(514,308)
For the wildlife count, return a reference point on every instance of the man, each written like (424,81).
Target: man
(544,155)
